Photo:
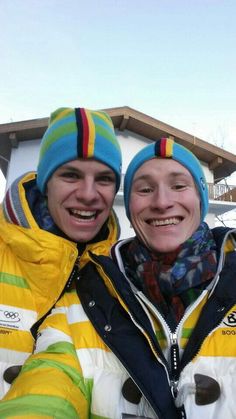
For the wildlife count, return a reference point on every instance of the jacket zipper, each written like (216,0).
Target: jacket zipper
(74,276)
(174,366)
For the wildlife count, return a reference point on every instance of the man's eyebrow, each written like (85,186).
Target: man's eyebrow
(180,173)
(107,172)
(68,166)
(170,175)
(142,177)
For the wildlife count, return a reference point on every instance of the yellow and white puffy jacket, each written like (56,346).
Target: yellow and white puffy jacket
(34,268)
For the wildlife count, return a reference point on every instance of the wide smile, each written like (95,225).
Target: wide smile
(164,222)
(83,215)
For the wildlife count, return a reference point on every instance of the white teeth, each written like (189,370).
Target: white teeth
(83,214)
(168,221)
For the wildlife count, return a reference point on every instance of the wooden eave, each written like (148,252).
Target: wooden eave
(221,162)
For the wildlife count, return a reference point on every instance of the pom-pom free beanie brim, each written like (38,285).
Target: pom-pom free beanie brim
(167,148)
(78,133)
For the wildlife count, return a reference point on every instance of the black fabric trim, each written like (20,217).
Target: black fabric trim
(219,235)
(35,327)
(123,289)
(157,148)
(80,133)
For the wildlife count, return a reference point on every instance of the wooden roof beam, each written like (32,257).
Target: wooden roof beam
(215,163)
(13,140)
(124,122)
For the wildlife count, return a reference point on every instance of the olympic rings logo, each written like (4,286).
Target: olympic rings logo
(11,315)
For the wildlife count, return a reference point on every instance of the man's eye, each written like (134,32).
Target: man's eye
(146,189)
(69,175)
(106,179)
(179,186)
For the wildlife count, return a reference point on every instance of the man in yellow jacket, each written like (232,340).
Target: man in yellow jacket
(49,222)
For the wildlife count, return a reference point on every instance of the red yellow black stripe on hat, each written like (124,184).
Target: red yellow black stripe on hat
(78,133)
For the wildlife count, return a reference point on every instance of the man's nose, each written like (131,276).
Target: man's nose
(86,190)
(162,198)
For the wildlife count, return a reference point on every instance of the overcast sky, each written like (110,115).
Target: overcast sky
(174,60)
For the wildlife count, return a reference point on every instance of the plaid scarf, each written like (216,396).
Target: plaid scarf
(173,281)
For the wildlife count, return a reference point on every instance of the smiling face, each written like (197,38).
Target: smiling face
(164,204)
(80,196)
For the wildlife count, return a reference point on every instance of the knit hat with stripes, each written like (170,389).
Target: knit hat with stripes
(167,148)
(78,133)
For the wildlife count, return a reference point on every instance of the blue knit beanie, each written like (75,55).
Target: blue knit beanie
(78,133)
(167,148)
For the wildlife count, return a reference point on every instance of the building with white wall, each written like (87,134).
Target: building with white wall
(20,142)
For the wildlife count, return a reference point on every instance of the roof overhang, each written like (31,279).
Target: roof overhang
(221,162)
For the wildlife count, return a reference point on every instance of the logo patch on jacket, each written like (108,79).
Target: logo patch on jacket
(9,318)
(230,319)
(16,318)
